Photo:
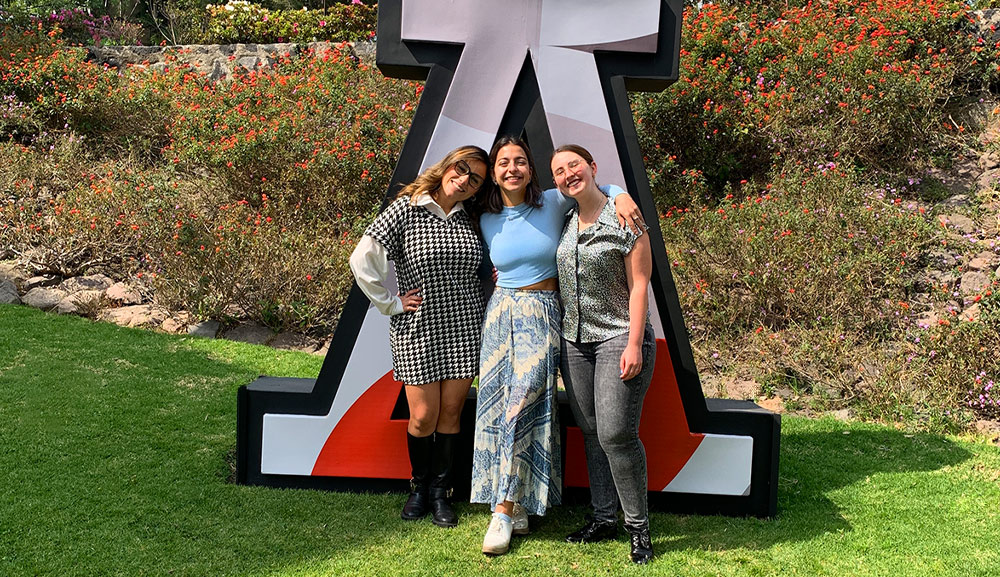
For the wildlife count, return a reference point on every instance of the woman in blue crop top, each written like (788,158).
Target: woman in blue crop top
(517,460)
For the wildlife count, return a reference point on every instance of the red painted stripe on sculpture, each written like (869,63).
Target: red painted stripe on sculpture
(366,442)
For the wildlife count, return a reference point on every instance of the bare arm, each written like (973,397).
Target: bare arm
(638,270)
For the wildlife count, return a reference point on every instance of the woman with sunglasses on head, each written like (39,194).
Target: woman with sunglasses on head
(516,463)
(608,349)
(434,329)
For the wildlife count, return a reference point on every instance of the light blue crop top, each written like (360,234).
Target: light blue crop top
(523,239)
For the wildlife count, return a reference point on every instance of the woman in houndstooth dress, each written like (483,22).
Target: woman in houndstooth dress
(434,329)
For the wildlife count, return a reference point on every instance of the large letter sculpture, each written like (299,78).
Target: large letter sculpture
(557,71)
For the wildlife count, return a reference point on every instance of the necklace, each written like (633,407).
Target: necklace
(592,216)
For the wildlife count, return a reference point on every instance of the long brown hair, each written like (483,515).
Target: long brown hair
(429,181)
(491,200)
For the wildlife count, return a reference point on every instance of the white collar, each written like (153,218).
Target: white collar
(427,201)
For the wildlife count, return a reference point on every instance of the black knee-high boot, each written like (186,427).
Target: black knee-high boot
(444,451)
(420,450)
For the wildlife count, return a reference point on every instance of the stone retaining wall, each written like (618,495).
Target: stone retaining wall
(219,61)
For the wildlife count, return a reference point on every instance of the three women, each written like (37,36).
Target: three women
(516,463)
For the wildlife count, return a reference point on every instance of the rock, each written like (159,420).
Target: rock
(956,200)
(928,319)
(252,333)
(987,427)
(711,384)
(248,62)
(937,278)
(988,180)
(365,51)
(135,315)
(121,292)
(47,280)
(323,349)
(960,177)
(206,329)
(172,325)
(959,222)
(10,271)
(971,314)
(8,292)
(974,282)
(97,282)
(841,415)
(43,298)
(989,160)
(982,261)
(987,24)
(83,301)
(218,71)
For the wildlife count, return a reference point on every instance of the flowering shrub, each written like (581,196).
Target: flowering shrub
(786,162)
(52,87)
(768,259)
(243,21)
(79,26)
(984,399)
(238,199)
(851,81)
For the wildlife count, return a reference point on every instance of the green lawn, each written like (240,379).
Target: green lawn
(116,450)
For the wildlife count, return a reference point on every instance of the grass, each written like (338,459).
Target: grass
(116,452)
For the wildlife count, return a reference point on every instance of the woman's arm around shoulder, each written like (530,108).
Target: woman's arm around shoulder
(628,213)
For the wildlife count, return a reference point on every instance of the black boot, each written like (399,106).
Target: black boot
(641,545)
(594,531)
(444,449)
(420,449)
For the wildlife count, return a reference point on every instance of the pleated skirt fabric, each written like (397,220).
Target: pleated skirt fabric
(517,453)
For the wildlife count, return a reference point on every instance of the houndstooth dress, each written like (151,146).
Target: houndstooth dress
(440,340)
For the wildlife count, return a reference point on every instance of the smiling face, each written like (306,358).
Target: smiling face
(573,174)
(462,179)
(512,170)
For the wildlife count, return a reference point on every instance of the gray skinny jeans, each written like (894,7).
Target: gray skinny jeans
(607,410)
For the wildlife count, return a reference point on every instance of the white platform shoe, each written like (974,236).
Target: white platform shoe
(497,540)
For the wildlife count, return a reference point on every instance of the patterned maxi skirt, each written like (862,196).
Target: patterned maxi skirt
(517,456)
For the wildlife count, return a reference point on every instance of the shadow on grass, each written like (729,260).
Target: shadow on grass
(824,468)
(824,465)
